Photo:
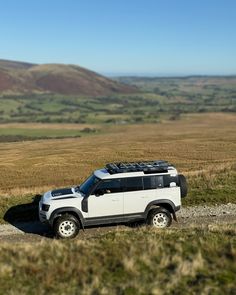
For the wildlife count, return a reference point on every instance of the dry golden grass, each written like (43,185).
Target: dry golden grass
(197,145)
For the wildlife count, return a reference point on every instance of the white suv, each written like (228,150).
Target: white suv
(121,192)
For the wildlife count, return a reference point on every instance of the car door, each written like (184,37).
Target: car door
(135,198)
(107,199)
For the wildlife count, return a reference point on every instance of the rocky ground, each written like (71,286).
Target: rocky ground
(217,210)
(187,217)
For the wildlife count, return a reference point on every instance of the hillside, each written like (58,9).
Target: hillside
(26,78)
(70,94)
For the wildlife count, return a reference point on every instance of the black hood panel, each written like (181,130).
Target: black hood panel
(61,192)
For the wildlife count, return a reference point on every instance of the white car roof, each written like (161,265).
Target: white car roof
(104,174)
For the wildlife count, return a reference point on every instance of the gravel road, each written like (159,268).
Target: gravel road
(217,210)
(187,217)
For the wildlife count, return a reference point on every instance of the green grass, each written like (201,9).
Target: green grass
(11,134)
(51,133)
(212,187)
(7,106)
(19,209)
(132,261)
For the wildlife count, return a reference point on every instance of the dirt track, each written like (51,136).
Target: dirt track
(187,217)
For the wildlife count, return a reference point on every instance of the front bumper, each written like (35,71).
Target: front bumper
(42,214)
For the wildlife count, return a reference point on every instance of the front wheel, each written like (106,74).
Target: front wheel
(66,227)
(159,218)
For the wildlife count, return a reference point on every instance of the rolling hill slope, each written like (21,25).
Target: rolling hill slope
(26,78)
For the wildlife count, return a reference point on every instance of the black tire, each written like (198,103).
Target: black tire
(159,218)
(66,227)
(183,186)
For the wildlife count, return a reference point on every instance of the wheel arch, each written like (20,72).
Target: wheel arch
(66,210)
(164,203)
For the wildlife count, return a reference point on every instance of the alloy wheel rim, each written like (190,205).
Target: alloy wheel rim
(160,220)
(67,228)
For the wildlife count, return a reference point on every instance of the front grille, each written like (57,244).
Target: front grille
(45,207)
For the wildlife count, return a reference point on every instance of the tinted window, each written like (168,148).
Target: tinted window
(159,180)
(134,184)
(173,180)
(109,186)
(153,182)
(149,182)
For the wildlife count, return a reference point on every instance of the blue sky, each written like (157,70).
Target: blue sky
(163,37)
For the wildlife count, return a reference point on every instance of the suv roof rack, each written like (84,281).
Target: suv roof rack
(148,167)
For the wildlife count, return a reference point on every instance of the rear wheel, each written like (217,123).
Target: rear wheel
(66,227)
(159,218)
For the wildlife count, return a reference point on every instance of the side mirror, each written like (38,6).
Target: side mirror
(99,193)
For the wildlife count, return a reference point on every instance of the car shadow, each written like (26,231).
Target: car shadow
(25,218)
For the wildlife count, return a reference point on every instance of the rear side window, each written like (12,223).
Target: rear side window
(153,182)
(133,184)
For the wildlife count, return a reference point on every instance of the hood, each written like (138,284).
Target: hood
(62,192)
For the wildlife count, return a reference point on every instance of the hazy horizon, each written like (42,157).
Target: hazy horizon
(165,75)
(137,74)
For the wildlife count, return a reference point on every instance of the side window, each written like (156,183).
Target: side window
(109,186)
(153,182)
(160,182)
(149,182)
(133,184)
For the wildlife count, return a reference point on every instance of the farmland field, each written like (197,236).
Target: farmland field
(202,146)
(23,131)
(199,259)
(155,99)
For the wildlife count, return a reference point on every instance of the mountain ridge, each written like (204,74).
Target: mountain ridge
(67,79)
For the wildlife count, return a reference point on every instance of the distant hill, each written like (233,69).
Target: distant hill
(27,78)
(158,99)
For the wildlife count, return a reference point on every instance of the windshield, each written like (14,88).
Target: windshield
(89,183)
